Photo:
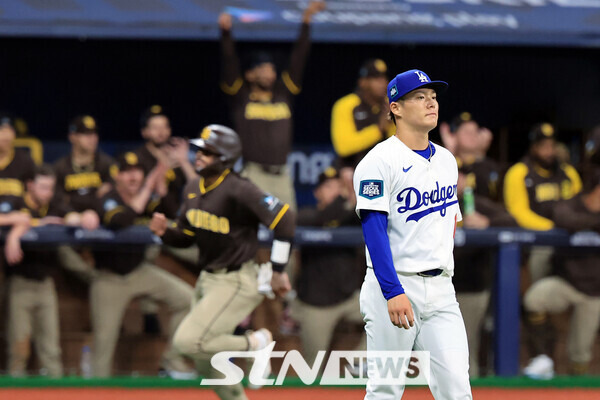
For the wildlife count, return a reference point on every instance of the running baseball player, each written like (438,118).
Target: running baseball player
(406,199)
(221,212)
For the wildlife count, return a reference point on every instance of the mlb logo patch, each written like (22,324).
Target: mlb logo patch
(270,202)
(393,91)
(110,204)
(371,189)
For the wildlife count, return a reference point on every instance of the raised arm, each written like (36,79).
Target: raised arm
(292,77)
(231,76)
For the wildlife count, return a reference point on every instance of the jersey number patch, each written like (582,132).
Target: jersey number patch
(371,189)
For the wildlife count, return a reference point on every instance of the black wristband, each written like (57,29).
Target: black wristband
(277,267)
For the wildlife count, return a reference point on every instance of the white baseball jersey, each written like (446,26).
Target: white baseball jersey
(420,199)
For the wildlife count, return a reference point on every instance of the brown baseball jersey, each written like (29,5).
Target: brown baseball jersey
(223,220)
(169,204)
(115,214)
(77,185)
(264,124)
(531,192)
(15,170)
(483,176)
(579,268)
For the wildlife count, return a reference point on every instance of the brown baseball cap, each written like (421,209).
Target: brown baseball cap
(328,173)
(128,160)
(150,112)
(373,68)
(83,124)
(541,131)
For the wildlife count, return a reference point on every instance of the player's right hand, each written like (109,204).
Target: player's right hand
(225,21)
(13,251)
(158,224)
(280,283)
(401,312)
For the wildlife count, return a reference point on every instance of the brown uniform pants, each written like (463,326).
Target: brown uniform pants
(110,293)
(317,324)
(554,295)
(540,262)
(473,306)
(223,299)
(33,313)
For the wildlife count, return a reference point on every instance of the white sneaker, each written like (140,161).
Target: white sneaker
(540,367)
(259,340)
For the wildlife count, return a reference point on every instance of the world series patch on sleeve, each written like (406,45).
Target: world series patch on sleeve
(371,189)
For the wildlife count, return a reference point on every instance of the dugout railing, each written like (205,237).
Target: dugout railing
(507,243)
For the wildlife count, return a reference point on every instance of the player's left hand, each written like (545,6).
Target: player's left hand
(158,224)
(178,151)
(280,282)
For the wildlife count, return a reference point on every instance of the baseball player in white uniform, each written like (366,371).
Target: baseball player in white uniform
(406,199)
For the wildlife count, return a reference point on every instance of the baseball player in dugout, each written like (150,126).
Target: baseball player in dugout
(86,173)
(127,273)
(161,147)
(408,205)
(261,106)
(329,279)
(221,212)
(360,120)
(82,177)
(16,166)
(32,300)
(533,187)
(574,284)
(469,142)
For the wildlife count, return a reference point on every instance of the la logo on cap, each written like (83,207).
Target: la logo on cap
(422,76)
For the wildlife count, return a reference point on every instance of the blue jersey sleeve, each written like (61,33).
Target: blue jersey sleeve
(374,225)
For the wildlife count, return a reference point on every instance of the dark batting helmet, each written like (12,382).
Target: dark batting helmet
(221,141)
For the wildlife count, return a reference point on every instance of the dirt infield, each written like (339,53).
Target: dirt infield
(311,393)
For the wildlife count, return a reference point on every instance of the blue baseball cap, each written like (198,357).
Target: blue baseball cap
(411,80)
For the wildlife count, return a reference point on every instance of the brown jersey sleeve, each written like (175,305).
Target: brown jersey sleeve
(181,234)
(114,214)
(268,209)
(231,76)
(572,216)
(292,76)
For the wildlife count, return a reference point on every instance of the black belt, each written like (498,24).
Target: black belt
(272,169)
(231,268)
(431,272)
